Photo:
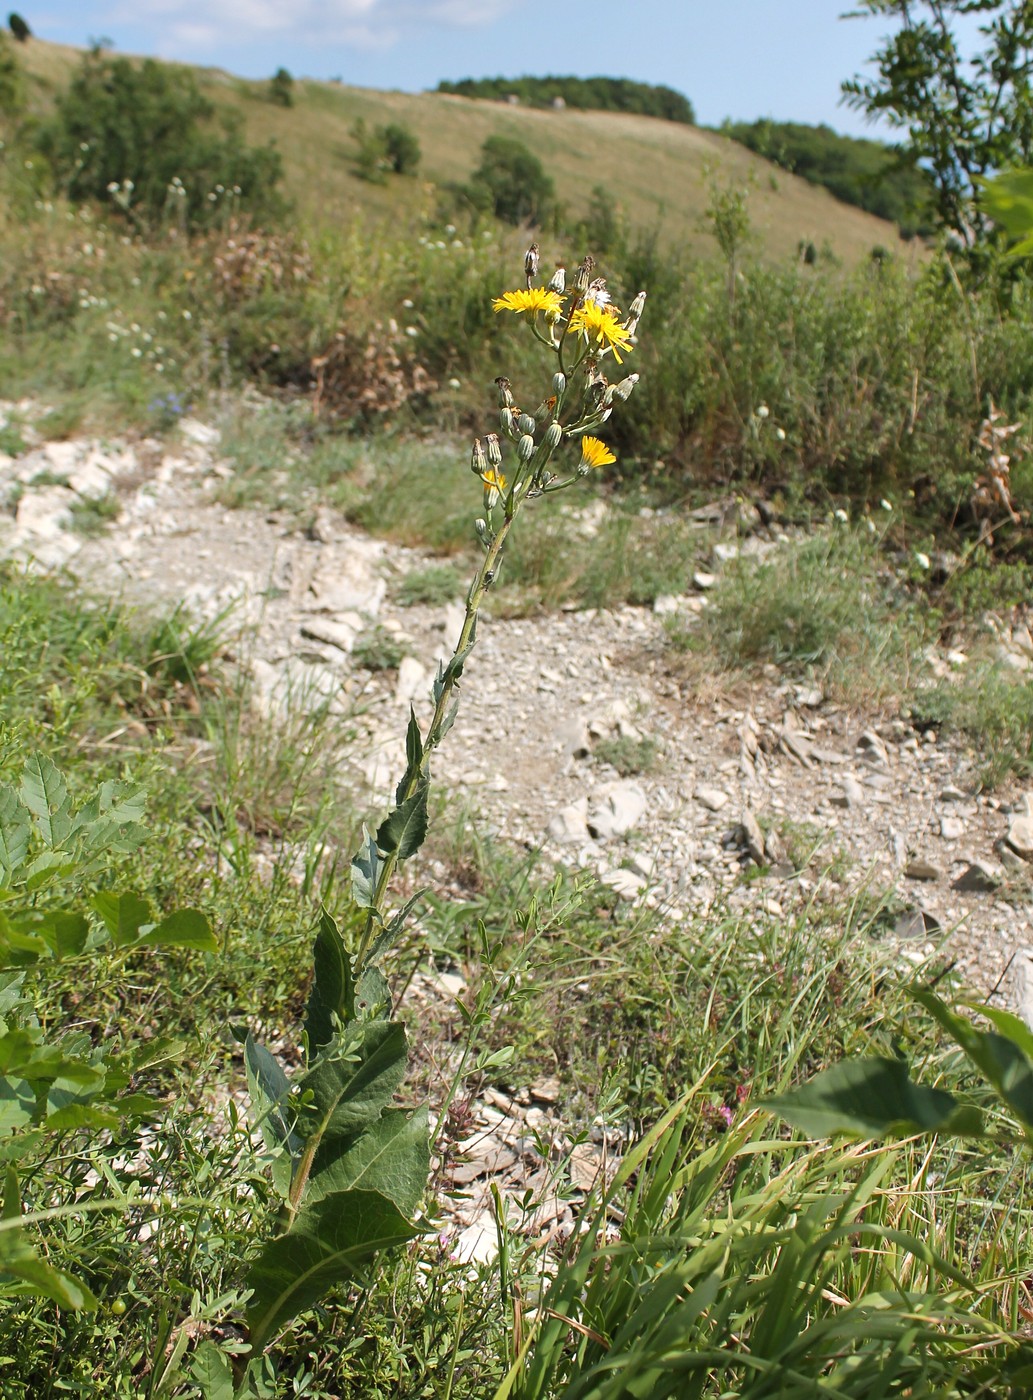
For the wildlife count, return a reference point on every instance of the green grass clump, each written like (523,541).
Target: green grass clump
(377,649)
(827,606)
(992,705)
(627,755)
(433,584)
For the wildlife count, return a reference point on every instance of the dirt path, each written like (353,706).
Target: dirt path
(824,798)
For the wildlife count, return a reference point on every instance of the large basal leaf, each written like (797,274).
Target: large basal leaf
(333,987)
(15,831)
(183,928)
(392,1157)
(45,793)
(405,829)
(350,1090)
(873,1098)
(329,1243)
(1000,1058)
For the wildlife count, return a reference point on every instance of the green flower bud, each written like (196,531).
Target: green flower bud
(525,423)
(507,422)
(478,461)
(559,384)
(505,392)
(624,388)
(553,436)
(494,449)
(525,448)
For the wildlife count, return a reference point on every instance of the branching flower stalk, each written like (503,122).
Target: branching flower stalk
(350,1165)
(582,328)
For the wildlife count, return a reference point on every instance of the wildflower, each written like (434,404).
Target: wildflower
(534,299)
(595,453)
(599,323)
(494,478)
(597,293)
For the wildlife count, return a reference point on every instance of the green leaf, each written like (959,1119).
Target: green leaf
(453,670)
(45,793)
(333,986)
(1008,198)
(212,1372)
(373,991)
(20,1261)
(17,1104)
(365,872)
(388,936)
(354,1079)
(15,831)
(392,1157)
(874,1098)
(405,829)
(124,915)
(1010,1025)
(64,931)
(270,1091)
(329,1242)
(111,821)
(413,754)
(1001,1060)
(183,928)
(18,949)
(48,865)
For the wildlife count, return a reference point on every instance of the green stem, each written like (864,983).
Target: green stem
(482,582)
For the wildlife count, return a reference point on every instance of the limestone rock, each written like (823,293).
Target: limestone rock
(615,809)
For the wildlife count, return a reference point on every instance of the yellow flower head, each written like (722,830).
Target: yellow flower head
(595,453)
(534,299)
(494,479)
(599,323)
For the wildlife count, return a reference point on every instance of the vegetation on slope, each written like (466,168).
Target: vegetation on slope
(588,94)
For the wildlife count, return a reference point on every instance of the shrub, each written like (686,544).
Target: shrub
(281,88)
(386,150)
(18,28)
(11,83)
(149,131)
(519,189)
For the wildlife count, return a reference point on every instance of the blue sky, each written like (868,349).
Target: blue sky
(737,58)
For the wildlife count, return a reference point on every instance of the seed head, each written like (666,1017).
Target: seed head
(531,258)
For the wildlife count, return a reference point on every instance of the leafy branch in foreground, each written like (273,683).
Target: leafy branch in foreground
(53,1086)
(350,1167)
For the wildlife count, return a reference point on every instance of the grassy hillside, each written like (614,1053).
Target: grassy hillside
(657,171)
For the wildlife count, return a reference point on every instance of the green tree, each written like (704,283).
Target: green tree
(281,88)
(401,147)
(967,113)
(520,190)
(148,130)
(12,87)
(18,28)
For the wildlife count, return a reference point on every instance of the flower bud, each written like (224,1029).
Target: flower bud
(507,421)
(624,388)
(584,274)
(553,436)
(478,461)
(559,384)
(505,392)
(531,262)
(493,448)
(545,409)
(483,533)
(525,448)
(637,306)
(558,280)
(525,423)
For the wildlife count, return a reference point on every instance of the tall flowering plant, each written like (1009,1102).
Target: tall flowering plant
(350,1167)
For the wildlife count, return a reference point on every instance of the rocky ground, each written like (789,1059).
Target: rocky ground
(824,799)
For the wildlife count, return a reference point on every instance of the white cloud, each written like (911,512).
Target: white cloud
(365,24)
